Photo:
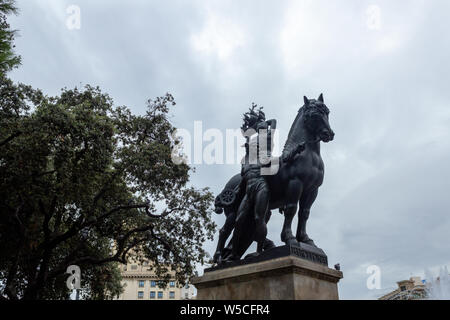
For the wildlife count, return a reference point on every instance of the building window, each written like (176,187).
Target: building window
(172,284)
(134,267)
(141,283)
(402,288)
(186,295)
(160,284)
(152,294)
(160,294)
(152,283)
(172,294)
(140,294)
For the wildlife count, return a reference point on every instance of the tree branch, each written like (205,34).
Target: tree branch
(46,222)
(165,213)
(121,250)
(11,137)
(119,256)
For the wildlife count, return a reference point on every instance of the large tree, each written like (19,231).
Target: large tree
(83,182)
(8,59)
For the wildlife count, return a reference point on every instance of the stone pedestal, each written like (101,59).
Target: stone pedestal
(283,278)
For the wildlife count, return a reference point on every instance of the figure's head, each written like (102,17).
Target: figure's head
(316,118)
(261,115)
(253,117)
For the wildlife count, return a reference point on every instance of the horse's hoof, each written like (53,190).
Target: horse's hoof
(268,244)
(252,255)
(217,257)
(230,258)
(303,238)
(292,241)
(310,242)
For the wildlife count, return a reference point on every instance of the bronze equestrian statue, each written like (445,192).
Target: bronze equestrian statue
(293,188)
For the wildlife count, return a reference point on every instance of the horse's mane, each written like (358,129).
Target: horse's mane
(291,141)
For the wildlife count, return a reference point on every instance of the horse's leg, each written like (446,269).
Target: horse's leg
(239,229)
(268,215)
(294,191)
(268,244)
(224,233)
(305,203)
(260,209)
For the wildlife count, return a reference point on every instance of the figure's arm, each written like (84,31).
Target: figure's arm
(247,148)
(240,188)
(272,123)
(266,124)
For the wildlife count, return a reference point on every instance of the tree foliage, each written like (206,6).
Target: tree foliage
(85,183)
(8,59)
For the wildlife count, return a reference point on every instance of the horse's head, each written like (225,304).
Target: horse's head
(315,116)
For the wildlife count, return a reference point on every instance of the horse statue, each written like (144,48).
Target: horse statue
(293,188)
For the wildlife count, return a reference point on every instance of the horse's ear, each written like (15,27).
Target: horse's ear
(306,100)
(321,97)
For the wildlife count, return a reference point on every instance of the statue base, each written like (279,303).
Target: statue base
(288,277)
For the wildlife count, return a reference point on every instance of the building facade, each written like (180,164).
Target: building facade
(141,283)
(412,289)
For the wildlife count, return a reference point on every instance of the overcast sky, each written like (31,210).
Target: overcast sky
(382,66)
